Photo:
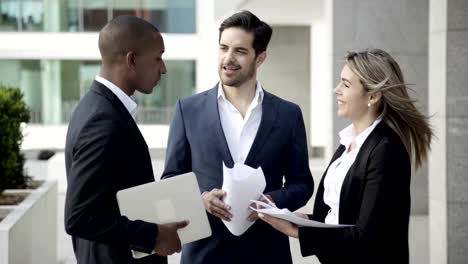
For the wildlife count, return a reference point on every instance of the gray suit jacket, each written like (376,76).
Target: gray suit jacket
(197,143)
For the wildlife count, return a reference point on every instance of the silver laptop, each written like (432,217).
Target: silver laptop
(169,200)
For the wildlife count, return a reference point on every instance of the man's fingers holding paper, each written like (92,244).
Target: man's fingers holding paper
(223,214)
(213,202)
(253,216)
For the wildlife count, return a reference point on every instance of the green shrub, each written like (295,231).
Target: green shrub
(13,112)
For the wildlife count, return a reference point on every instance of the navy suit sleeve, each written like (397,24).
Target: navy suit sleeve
(383,212)
(178,156)
(90,204)
(299,184)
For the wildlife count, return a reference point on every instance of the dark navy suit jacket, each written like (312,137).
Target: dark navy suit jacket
(197,143)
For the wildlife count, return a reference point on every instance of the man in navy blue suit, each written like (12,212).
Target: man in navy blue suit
(238,121)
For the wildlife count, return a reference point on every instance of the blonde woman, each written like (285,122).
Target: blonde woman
(367,184)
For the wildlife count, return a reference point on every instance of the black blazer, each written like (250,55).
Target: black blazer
(197,143)
(375,197)
(105,153)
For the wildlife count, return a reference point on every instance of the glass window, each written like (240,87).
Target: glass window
(158,107)
(95,14)
(181,16)
(174,16)
(72,16)
(124,7)
(32,12)
(21,15)
(9,15)
(170,16)
(53,88)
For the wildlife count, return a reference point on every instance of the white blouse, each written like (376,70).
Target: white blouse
(339,168)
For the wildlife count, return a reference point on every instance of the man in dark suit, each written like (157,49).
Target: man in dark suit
(105,151)
(238,121)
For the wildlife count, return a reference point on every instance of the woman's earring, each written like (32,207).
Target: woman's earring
(368,104)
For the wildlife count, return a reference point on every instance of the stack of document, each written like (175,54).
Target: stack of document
(269,208)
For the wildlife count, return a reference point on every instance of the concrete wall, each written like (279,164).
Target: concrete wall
(286,70)
(399,27)
(457,130)
(28,234)
(448,73)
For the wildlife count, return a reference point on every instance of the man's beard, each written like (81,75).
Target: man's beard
(240,79)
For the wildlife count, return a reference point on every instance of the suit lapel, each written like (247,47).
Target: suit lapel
(320,208)
(216,127)
(358,168)
(337,154)
(269,113)
(123,112)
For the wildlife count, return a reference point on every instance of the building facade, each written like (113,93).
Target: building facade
(48,48)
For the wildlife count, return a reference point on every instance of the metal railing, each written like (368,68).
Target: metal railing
(145,114)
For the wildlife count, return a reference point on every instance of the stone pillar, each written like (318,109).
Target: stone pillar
(51,70)
(399,27)
(30,84)
(54,16)
(448,101)
(206,74)
(51,92)
(286,69)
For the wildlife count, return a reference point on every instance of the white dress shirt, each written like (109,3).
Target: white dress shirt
(339,168)
(240,132)
(126,100)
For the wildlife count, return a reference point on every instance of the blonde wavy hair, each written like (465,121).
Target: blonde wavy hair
(379,72)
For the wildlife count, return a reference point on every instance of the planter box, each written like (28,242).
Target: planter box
(28,234)
(37,169)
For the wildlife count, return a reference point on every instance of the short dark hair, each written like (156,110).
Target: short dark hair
(252,24)
(123,34)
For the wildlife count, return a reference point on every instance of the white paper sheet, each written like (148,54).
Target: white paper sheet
(241,184)
(287,215)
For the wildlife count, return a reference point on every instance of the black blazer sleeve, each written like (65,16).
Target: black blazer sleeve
(299,184)
(90,211)
(383,210)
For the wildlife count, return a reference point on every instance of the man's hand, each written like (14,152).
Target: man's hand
(254,215)
(214,204)
(168,241)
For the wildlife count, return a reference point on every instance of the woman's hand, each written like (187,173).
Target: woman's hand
(301,215)
(281,225)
